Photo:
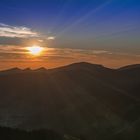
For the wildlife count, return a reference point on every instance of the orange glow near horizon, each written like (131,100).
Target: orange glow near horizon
(35,56)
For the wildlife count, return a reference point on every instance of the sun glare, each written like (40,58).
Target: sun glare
(35,50)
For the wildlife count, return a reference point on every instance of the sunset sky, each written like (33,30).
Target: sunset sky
(98,31)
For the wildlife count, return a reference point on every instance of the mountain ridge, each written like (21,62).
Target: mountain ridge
(76,65)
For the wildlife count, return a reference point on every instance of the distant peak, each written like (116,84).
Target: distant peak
(85,64)
(134,66)
(42,69)
(27,69)
(16,68)
(12,70)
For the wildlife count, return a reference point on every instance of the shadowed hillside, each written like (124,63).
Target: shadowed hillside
(82,100)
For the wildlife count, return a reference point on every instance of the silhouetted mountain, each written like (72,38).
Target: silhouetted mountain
(82,100)
(12,70)
(42,69)
(17,70)
(83,66)
(27,70)
(130,67)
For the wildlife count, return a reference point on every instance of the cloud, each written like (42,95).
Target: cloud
(100,52)
(52,52)
(21,36)
(40,40)
(51,38)
(16,31)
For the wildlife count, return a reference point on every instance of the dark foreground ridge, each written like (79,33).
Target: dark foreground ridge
(87,101)
(42,134)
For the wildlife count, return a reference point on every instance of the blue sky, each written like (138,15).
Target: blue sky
(110,25)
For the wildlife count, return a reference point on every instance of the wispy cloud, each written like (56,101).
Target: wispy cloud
(16,31)
(21,35)
(51,38)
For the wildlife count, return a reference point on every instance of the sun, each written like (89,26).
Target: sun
(35,50)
